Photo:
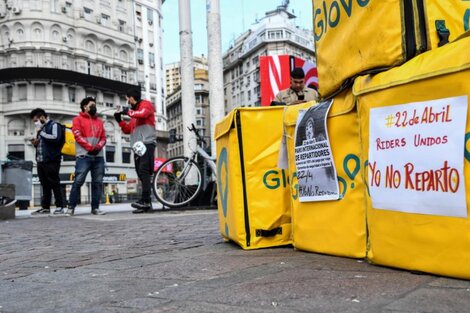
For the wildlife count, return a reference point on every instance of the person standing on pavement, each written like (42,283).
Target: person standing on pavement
(143,141)
(297,92)
(90,138)
(48,143)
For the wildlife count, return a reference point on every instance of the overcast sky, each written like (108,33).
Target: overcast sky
(236,17)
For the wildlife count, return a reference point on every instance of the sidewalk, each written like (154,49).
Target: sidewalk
(86,209)
(176,261)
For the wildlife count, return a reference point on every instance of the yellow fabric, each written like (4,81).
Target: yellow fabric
(69,145)
(428,243)
(332,227)
(267,204)
(353,37)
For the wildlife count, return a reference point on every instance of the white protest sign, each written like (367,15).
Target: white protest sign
(416,157)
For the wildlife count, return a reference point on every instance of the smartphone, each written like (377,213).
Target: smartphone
(301,97)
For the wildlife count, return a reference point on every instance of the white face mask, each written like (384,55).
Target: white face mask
(38,124)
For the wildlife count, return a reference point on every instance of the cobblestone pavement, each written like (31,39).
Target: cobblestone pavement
(177,262)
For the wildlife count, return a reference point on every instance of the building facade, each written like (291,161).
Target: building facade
(54,53)
(148,40)
(174,111)
(173,72)
(274,34)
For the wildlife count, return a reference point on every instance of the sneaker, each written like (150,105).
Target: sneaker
(142,205)
(69,211)
(138,211)
(97,212)
(60,211)
(41,211)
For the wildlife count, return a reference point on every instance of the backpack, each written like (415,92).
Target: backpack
(66,139)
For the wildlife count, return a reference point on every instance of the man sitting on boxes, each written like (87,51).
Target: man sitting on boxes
(297,92)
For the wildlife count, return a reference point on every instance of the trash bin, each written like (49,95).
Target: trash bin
(20,174)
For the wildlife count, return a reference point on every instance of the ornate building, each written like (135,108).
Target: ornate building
(274,34)
(54,53)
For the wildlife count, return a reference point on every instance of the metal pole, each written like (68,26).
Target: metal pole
(187,76)
(216,83)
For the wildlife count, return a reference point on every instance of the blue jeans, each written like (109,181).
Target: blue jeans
(83,165)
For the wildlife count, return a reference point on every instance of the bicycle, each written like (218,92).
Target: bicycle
(180,180)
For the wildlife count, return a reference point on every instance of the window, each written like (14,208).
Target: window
(57,92)
(249,95)
(110,151)
(9,93)
(107,71)
(198,86)
(108,100)
(122,25)
(140,56)
(256,91)
(254,61)
(22,92)
(16,151)
(40,92)
(124,76)
(88,13)
(275,34)
(16,127)
(152,59)
(150,16)
(104,19)
(126,155)
(55,6)
(71,94)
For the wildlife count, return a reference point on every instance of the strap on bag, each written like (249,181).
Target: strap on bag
(442,32)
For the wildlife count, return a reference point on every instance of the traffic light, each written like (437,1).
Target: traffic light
(172,136)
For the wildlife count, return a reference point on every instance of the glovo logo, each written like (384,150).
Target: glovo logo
(274,179)
(467,146)
(122,177)
(222,183)
(466,20)
(329,14)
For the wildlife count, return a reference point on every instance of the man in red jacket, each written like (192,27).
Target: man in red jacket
(143,141)
(90,138)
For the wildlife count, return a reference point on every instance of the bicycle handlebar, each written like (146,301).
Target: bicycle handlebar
(194,129)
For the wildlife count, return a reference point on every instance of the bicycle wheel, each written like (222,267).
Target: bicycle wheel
(177,181)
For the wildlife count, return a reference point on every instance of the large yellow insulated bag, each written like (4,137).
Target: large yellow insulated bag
(415,127)
(253,193)
(369,36)
(335,227)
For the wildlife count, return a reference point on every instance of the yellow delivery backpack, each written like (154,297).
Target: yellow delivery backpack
(253,193)
(69,144)
(367,36)
(415,126)
(335,227)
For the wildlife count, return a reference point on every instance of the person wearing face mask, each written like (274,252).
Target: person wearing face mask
(48,143)
(143,140)
(90,138)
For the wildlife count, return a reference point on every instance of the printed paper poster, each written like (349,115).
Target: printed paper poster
(316,171)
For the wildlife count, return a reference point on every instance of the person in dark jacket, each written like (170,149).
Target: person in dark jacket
(48,143)
(90,138)
(143,140)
